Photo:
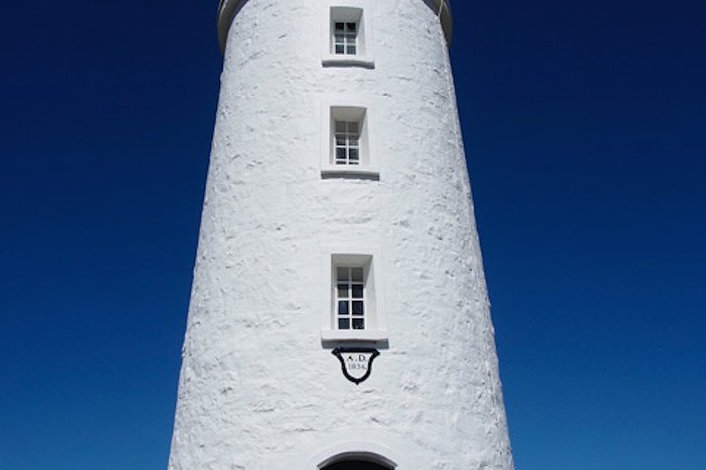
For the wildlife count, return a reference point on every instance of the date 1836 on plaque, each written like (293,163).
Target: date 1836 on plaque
(356,363)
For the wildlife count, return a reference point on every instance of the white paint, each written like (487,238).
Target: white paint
(258,390)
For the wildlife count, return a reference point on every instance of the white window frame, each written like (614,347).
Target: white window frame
(375,324)
(357,11)
(345,35)
(350,296)
(347,140)
(346,112)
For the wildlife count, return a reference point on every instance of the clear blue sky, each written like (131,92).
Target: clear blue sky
(585,126)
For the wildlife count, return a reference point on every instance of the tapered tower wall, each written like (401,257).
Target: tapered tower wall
(259,388)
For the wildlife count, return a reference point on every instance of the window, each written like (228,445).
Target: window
(345,37)
(348,38)
(347,143)
(355,309)
(348,136)
(350,297)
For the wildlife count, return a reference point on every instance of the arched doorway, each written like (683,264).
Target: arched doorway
(355,465)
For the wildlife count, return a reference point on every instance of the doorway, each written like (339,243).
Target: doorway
(356,465)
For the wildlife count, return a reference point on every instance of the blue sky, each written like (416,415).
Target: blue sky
(585,131)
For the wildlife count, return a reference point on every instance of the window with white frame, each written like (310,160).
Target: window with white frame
(345,27)
(348,148)
(350,297)
(346,142)
(345,37)
(355,309)
(349,39)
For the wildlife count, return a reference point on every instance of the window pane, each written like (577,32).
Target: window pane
(340,153)
(353,127)
(339,49)
(343,307)
(357,307)
(344,324)
(342,291)
(351,50)
(353,154)
(357,291)
(339,26)
(357,274)
(351,26)
(342,274)
(341,127)
(358,324)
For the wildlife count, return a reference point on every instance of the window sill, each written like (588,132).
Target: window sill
(354,335)
(348,61)
(350,170)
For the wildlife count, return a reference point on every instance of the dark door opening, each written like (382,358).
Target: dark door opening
(355,465)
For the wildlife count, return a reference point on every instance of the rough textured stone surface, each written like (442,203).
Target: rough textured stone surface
(257,389)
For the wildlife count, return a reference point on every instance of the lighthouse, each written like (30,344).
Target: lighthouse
(339,317)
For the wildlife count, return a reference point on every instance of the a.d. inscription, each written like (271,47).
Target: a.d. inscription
(356,363)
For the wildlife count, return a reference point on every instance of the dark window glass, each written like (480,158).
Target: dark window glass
(339,26)
(358,324)
(351,26)
(357,291)
(342,307)
(344,324)
(357,307)
(357,274)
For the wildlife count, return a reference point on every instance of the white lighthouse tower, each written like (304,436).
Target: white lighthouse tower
(339,316)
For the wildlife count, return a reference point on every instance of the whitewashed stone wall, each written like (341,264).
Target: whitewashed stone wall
(257,390)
